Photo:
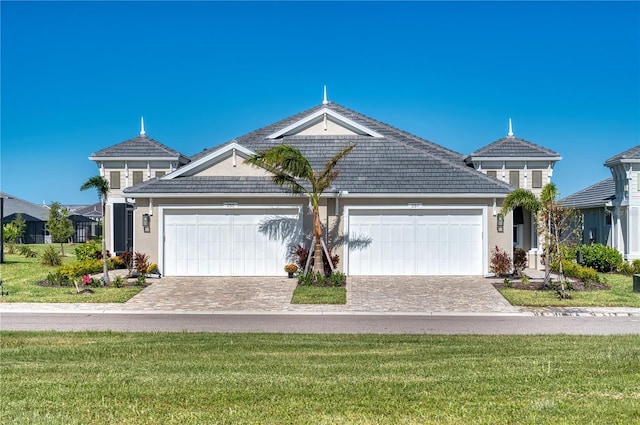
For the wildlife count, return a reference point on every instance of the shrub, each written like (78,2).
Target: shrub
(626,269)
(89,250)
(117,282)
(153,268)
(636,266)
(141,280)
(142,262)
(75,270)
(127,260)
(50,257)
(306,279)
(302,253)
(571,269)
(27,252)
(500,262)
(519,260)
(337,279)
(56,278)
(600,257)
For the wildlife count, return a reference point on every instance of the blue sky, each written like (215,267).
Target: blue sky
(77,76)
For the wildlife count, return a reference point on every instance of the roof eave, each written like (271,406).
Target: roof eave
(514,158)
(138,158)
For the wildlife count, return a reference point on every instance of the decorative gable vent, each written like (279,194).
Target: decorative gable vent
(324,121)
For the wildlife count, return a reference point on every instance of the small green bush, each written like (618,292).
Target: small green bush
(601,257)
(57,278)
(50,257)
(117,281)
(90,250)
(626,269)
(27,251)
(576,271)
(337,279)
(636,266)
(81,268)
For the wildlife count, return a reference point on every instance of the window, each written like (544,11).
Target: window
(137,177)
(536,179)
(492,174)
(114,179)
(514,178)
(160,173)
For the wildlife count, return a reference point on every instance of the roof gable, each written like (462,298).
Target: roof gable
(320,122)
(30,211)
(141,147)
(514,148)
(231,153)
(630,155)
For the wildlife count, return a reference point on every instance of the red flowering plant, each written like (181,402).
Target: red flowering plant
(86,279)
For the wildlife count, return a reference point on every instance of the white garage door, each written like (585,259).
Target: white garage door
(226,242)
(416,242)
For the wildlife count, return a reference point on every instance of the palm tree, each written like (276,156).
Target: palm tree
(102,187)
(290,168)
(542,209)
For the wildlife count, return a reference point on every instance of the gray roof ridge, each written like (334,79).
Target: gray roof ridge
(632,153)
(521,141)
(6,195)
(155,143)
(585,197)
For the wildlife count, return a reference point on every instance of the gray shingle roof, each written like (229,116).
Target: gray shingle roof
(596,195)
(633,153)
(513,147)
(29,211)
(140,147)
(396,163)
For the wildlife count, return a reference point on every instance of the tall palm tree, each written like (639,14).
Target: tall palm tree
(102,187)
(542,209)
(290,168)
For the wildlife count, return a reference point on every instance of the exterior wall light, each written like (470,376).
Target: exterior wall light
(500,223)
(146,223)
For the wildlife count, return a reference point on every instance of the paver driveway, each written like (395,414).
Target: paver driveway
(370,294)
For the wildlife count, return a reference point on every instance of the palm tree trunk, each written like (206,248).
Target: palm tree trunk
(318,266)
(105,268)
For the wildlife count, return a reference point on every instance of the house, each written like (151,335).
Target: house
(126,164)
(611,208)
(34,215)
(401,205)
(525,165)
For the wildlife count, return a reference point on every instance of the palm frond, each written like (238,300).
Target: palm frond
(329,168)
(520,198)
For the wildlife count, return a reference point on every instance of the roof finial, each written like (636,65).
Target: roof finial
(142,132)
(325,101)
(510,134)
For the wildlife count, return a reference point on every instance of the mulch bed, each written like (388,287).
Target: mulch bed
(538,285)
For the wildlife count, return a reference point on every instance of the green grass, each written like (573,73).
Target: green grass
(319,295)
(20,275)
(181,378)
(620,295)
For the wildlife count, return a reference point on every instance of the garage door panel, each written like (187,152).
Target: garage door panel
(417,243)
(222,243)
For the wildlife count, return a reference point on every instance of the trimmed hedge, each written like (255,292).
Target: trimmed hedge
(601,257)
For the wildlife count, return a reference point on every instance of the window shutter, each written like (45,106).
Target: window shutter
(514,178)
(536,177)
(114,179)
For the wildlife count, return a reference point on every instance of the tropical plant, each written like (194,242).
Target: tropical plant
(290,168)
(500,262)
(101,185)
(601,257)
(10,234)
(59,225)
(556,223)
(50,257)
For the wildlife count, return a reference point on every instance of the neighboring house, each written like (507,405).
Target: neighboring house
(524,165)
(127,164)
(611,208)
(35,217)
(401,205)
(86,221)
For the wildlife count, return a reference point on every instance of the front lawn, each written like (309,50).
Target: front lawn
(319,295)
(185,378)
(21,275)
(620,295)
